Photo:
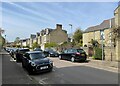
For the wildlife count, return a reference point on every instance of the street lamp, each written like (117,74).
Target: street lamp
(71,32)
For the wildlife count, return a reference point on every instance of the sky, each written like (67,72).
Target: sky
(20,19)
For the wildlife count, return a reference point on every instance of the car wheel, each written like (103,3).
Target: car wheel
(14,57)
(72,59)
(60,57)
(23,65)
(49,55)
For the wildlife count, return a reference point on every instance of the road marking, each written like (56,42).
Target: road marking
(42,81)
(12,59)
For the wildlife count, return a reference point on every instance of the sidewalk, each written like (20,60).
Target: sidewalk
(105,65)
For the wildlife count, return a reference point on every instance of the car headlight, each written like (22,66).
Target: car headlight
(33,64)
(50,61)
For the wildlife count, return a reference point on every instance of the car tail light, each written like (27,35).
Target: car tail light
(77,53)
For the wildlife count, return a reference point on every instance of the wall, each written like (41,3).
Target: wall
(110,53)
(87,37)
(58,36)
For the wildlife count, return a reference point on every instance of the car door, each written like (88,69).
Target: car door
(26,59)
(69,54)
(63,54)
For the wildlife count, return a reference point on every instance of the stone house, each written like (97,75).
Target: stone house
(99,32)
(117,24)
(32,39)
(49,35)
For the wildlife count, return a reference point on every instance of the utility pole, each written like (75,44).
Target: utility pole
(71,32)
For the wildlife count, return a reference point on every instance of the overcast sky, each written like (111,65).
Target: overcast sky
(20,19)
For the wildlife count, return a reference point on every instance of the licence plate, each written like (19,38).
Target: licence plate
(45,67)
(82,55)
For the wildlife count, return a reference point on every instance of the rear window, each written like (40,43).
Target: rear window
(80,50)
(24,50)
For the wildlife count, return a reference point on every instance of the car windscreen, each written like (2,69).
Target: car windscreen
(24,50)
(80,50)
(37,56)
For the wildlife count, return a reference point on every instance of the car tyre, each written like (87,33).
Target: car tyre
(23,65)
(72,59)
(60,57)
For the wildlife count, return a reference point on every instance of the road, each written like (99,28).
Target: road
(12,73)
(64,72)
(0,69)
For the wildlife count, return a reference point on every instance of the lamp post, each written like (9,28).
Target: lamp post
(71,32)
(102,38)
(5,41)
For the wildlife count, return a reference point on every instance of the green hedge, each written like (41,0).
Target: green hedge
(98,53)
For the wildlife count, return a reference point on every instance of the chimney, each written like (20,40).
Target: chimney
(59,26)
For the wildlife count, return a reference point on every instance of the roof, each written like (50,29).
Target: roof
(33,52)
(104,25)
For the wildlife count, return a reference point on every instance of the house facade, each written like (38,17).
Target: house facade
(117,24)
(57,35)
(48,35)
(99,32)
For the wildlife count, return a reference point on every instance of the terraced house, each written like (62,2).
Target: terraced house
(48,35)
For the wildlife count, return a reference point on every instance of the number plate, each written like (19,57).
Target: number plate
(45,67)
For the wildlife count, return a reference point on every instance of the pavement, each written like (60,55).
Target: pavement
(112,66)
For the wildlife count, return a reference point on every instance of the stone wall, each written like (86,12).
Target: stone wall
(110,53)
(58,36)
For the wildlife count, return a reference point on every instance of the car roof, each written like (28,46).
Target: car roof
(30,52)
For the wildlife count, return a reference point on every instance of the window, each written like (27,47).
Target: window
(102,35)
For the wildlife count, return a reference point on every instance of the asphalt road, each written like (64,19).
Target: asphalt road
(12,73)
(0,69)
(66,72)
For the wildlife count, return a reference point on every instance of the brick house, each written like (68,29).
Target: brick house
(98,32)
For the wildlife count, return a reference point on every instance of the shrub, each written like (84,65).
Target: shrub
(98,53)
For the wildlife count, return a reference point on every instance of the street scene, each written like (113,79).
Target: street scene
(60,43)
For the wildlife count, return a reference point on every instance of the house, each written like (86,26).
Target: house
(99,32)
(48,35)
(32,39)
(117,24)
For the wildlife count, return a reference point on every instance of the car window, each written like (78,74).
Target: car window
(37,56)
(80,50)
(27,55)
(66,51)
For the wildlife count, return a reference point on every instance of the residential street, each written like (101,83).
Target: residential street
(64,72)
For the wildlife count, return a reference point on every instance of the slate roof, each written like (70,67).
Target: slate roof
(104,25)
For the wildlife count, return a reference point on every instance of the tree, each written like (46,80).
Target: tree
(78,35)
(17,39)
(52,44)
(35,45)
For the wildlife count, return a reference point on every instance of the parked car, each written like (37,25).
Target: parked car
(73,55)
(51,53)
(36,62)
(38,49)
(19,54)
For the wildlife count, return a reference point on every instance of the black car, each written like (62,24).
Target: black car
(36,62)
(73,55)
(38,49)
(51,53)
(19,54)
(12,52)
